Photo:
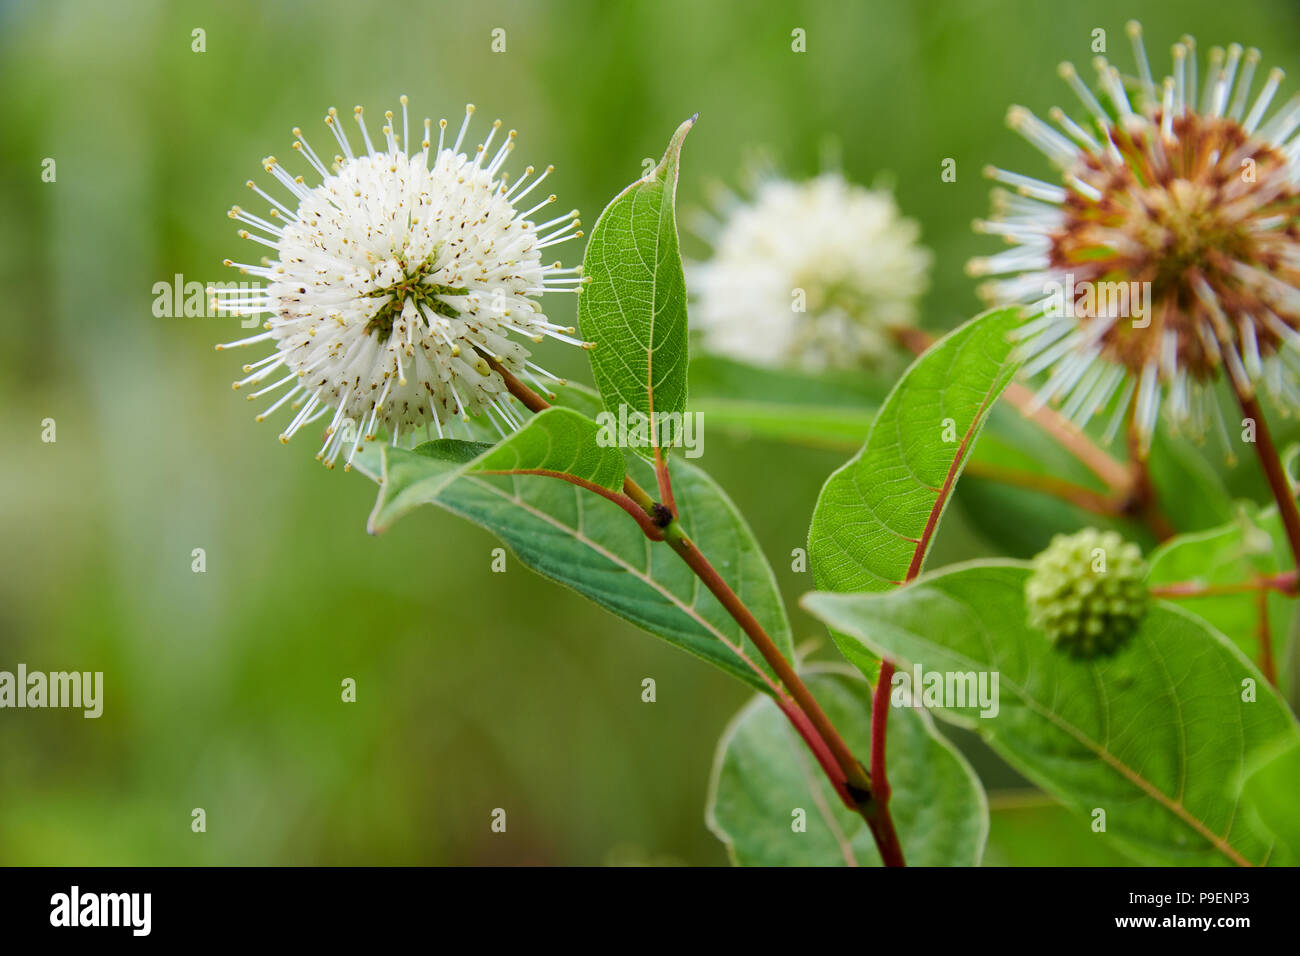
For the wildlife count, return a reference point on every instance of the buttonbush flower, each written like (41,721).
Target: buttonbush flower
(1181,194)
(391,280)
(813,274)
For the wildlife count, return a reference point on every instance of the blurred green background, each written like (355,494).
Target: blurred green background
(475,690)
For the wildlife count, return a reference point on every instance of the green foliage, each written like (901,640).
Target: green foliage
(831,410)
(633,307)
(1011,442)
(1030,829)
(443,652)
(558,442)
(1191,494)
(1148,736)
(772,807)
(1269,794)
(1253,545)
(587,542)
(875,519)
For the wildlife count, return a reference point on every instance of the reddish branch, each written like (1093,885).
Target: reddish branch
(880,698)
(1283,583)
(1111,471)
(1273,470)
(886,836)
(1097,502)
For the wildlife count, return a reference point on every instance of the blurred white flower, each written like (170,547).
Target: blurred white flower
(392,279)
(815,274)
(1173,236)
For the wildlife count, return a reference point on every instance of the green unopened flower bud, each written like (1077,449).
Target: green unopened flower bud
(1088,592)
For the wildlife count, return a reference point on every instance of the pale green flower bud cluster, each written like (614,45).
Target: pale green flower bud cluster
(1088,592)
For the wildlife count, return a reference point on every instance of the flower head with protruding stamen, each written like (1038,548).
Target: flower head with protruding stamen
(394,281)
(811,274)
(1180,199)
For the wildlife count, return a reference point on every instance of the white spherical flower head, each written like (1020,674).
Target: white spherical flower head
(1169,251)
(396,283)
(815,274)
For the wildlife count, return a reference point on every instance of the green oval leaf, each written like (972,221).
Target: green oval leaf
(876,516)
(1149,735)
(633,306)
(766,785)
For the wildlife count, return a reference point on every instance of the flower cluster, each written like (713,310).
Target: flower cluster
(396,281)
(1181,196)
(813,274)
(1088,592)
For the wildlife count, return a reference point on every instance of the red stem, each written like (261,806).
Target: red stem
(695,560)
(883,825)
(879,724)
(1273,471)
(665,481)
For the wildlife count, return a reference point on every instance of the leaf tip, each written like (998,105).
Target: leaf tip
(373,525)
(673,152)
(811,601)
